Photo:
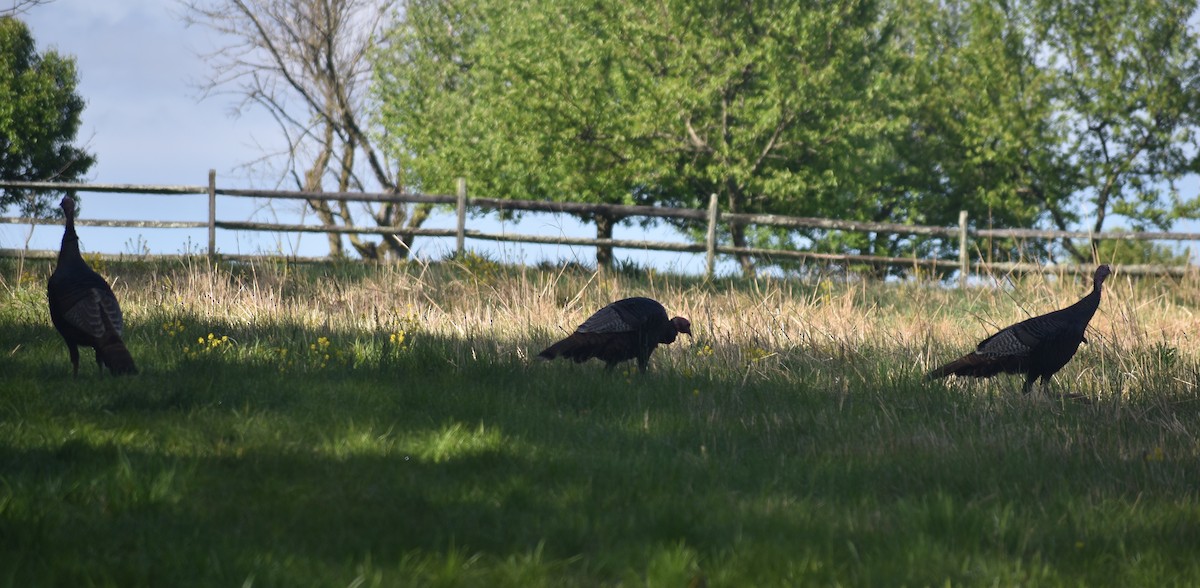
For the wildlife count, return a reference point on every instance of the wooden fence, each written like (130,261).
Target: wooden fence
(712,216)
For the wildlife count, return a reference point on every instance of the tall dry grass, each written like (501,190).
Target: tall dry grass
(1141,337)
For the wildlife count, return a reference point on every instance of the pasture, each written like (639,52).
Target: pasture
(387,425)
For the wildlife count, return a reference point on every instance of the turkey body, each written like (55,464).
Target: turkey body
(1038,347)
(83,307)
(627,329)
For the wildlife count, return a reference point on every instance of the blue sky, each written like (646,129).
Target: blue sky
(140,67)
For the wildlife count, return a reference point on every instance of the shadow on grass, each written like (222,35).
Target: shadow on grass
(233,465)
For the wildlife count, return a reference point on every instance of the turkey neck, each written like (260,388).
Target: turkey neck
(70,241)
(1092,301)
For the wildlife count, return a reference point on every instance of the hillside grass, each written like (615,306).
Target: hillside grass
(387,425)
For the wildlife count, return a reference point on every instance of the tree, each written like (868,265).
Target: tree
(524,99)
(775,107)
(658,102)
(304,61)
(1044,113)
(981,112)
(1129,85)
(39,118)
(1025,113)
(1123,251)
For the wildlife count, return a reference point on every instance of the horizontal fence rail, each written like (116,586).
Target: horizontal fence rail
(712,216)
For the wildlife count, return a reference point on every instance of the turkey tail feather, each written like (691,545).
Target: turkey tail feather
(116,356)
(971,364)
(578,347)
(549,352)
(112,351)
(561,348)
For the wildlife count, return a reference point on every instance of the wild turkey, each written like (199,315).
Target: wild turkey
(83,307)
(1037,347)
(626,329)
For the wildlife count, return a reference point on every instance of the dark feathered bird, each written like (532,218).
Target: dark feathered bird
(626,329)
(83,307)
(1037,347)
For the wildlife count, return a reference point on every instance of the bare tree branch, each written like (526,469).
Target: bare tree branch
(306,62)
(21,6)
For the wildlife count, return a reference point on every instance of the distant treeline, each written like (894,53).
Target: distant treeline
(1063,114)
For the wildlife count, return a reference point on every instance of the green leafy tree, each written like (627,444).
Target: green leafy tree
(1026,113)
(634,102)
(981,136)
(1128,251)
(39,118)
(774,107)
(525,100)
(1053,114)
(1128,78)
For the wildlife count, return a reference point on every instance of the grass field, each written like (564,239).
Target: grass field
(354,425)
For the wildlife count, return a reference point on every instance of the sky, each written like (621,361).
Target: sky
(140,68)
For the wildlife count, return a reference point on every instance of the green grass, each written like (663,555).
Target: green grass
(793,442)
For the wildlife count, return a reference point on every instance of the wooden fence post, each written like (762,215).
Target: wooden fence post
(710,238)
(460,233)
(964,262)
(212,213)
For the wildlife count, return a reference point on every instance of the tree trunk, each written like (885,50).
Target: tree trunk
(604,230)
(737,231)
(1097,228)
(398,245)
(404,241)
(312,183)
(346,182)
(321,207)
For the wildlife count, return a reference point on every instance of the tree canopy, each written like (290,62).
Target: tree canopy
(1054,114)
(1025,113)
(39,118)
(634,102)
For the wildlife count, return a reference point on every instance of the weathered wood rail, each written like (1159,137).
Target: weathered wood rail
(712,217)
